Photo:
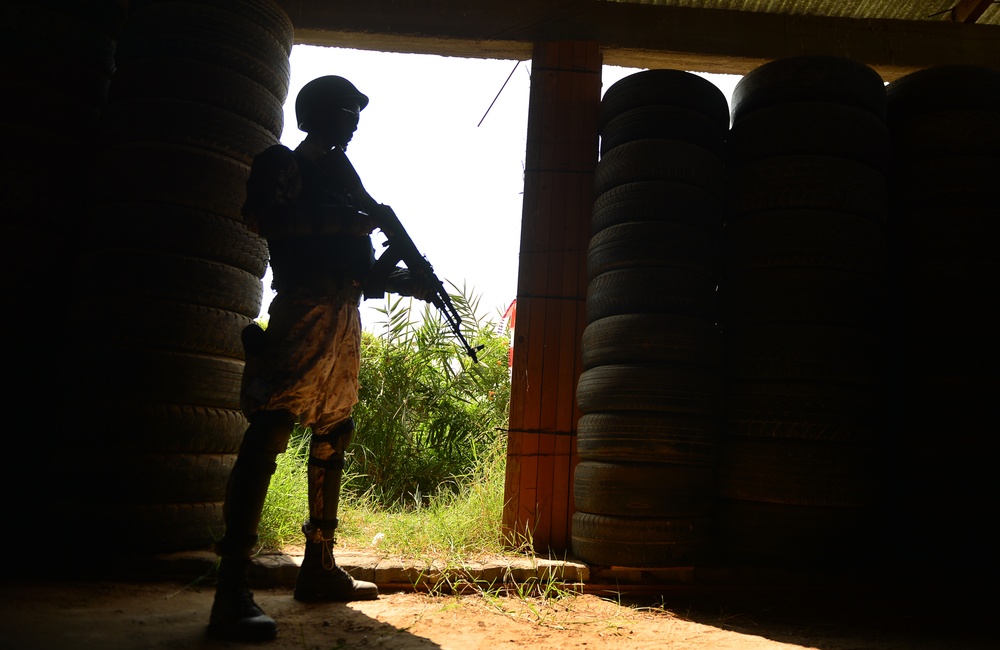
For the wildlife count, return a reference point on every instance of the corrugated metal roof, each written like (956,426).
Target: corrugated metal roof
(862,9)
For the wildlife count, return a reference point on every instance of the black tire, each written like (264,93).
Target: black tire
(800,472)
(103,16)
(948,233)
(184,123)
(806,238)
(182,176)
(955,346)
(162,276)
(153,528)
(803,295)
(810,128)
(636,437)
(27,261)
(660,389)
(147,375)
(268,14)
(964,181)
(141,477)
(942,88)
(804,411)
(951,289)
(643,489)
(172,229)
(956,403)
(207,33)
(809,78)
(59,36)
(658,201)
(799,537)
(152,425)
(664,88)
(163,324)
(659,160)
(652,339)
(654,244)
(947,263)
(809,182)
(200,83)
(37,202)
(950,292)
(812,352)
(640,542)
(664,123)
(652,291)
(46,100)
(188,177)
(34,145)
(953,132)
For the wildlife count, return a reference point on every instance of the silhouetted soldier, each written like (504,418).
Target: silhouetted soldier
(317,218)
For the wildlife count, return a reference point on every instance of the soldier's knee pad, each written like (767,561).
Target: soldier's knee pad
(327,449)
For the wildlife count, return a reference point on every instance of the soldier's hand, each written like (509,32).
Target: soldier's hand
(401,281)
(361,224)
(378,214)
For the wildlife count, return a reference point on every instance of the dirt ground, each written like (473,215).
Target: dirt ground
(164,615)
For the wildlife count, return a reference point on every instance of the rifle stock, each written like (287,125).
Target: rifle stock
(399,247)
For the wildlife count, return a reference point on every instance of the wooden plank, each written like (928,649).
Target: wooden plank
(581,317)
(562,490)
(527,505)
(511,489)
(584,153)
(969,11)
(516,468)
(543,492)
(566,377)
(521,478)
(554,120)
(573,67)
(528,479)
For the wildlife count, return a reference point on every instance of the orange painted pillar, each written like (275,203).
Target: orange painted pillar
(562,153)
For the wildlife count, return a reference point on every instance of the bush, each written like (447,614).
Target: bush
(427,412)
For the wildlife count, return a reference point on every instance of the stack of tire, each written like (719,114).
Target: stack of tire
(60,56)
(804,249)
(64,58)
(944,235)
(168,275)
(651,390)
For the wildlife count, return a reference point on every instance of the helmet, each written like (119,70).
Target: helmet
(318,97)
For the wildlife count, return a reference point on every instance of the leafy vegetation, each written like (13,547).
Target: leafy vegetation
(426,467)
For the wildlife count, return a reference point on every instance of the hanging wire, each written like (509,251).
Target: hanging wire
(498,93)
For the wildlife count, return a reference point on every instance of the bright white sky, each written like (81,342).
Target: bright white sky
(455,184)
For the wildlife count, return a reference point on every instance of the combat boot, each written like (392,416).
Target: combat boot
(235,616)
(320,579)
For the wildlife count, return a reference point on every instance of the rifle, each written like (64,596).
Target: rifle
(400,248)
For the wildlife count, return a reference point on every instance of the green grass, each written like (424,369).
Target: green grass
(461,520)
(287,505)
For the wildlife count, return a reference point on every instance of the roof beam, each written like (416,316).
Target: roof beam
(969,11)
(640,35)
